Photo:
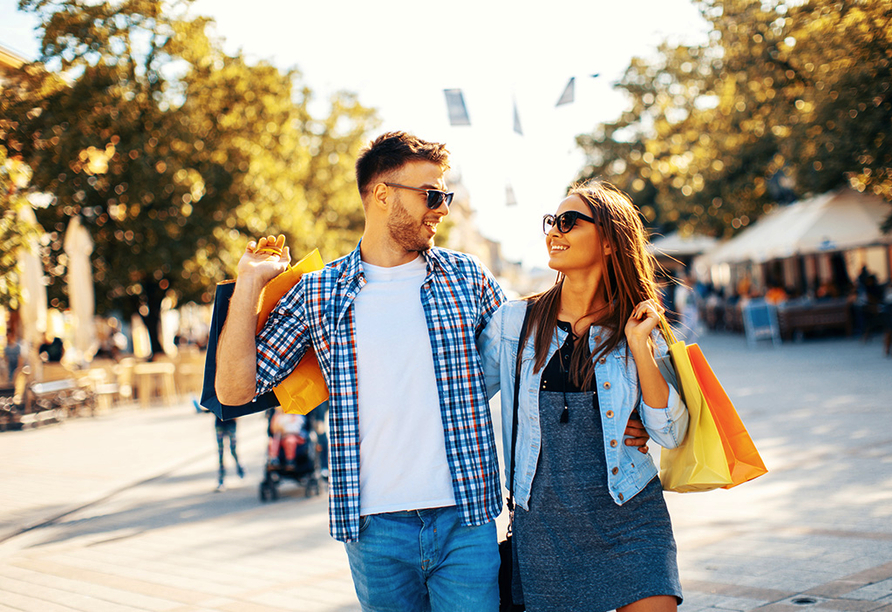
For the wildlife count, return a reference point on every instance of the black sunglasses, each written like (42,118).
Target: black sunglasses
(564,221)
(435,197)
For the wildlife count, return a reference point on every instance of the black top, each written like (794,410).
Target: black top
(556,376)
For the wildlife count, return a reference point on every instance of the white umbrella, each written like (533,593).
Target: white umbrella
(33,310)
(834,221)
(675,244)
(78,246)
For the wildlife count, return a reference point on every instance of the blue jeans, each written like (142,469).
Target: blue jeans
(425,560)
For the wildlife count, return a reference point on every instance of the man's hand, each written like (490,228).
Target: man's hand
(265,259)
(638,436)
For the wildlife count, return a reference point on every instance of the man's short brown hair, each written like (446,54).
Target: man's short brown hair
(393,150)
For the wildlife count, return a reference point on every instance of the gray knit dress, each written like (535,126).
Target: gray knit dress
(576,550)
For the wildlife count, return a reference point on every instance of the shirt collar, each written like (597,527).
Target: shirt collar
(433,258)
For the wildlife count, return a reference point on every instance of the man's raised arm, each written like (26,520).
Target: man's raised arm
(236,372)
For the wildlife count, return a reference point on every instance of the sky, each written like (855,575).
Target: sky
(399,55)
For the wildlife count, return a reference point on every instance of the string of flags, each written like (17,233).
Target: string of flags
(458,110)
(458,116)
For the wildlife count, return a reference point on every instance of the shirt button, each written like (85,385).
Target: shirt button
(609,414)
(607,385)
(602,360)
(621,497)
(597,338)
(614,471)
(613,444)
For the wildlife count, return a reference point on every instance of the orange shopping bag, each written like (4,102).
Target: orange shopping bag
(744,461)
(304,389)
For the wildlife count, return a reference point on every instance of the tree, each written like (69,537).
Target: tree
(785,99)
(15,233)
(172,152)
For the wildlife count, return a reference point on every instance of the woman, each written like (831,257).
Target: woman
(591,529)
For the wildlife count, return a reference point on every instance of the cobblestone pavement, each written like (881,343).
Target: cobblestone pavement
(117,512)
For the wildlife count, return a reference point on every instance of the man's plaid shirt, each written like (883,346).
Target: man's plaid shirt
(458,296)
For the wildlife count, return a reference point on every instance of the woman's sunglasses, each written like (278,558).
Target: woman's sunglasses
(564,221)
(434,196)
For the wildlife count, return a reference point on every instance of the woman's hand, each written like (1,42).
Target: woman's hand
(645,317)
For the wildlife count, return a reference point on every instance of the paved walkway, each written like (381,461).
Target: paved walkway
(117,512)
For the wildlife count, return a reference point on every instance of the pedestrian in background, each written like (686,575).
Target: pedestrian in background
(226,429)
(12,352)
(591,527)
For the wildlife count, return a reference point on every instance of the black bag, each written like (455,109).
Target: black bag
(506,575)
(506,552)
(208,393)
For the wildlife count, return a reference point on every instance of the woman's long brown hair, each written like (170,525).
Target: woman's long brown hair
(628,280)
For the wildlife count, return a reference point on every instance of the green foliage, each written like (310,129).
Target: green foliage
(786,99)
(15,234)
(174,153)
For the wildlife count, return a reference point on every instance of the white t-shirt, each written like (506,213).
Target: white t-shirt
(402,452)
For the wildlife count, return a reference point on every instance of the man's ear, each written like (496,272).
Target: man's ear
(379,196)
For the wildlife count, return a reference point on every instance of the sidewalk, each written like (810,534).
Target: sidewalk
(51,471)
(815,532)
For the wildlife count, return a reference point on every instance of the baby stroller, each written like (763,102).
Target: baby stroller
(292,453)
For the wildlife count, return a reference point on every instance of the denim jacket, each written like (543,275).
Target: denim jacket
(628,470)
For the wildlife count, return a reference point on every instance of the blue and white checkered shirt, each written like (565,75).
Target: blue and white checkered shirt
(459,296)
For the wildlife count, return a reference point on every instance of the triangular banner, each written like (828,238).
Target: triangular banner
(510,200)
(455,104)
(517,127)
(567,96)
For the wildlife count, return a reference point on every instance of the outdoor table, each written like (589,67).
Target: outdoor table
(155,376)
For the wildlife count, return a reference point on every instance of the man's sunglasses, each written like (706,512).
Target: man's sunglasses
(435,197)
(564,221)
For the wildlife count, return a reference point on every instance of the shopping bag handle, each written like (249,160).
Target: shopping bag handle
(667,331)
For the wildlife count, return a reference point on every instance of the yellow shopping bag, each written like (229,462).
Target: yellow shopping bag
(699,463)
(304,389)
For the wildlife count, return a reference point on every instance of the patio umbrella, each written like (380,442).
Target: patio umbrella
(675,244)
(78,246)
(33,310)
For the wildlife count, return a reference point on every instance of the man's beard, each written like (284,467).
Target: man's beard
(405,230)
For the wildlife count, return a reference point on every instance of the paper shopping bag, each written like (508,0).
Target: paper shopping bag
(744,461)
(304,389)
(208,393)
(699,463)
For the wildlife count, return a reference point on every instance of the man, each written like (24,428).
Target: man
(413,468)
(414,487)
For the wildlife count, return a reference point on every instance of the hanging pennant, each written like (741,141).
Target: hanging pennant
(455,104)
(569,92)
(510,200)
(517,127)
